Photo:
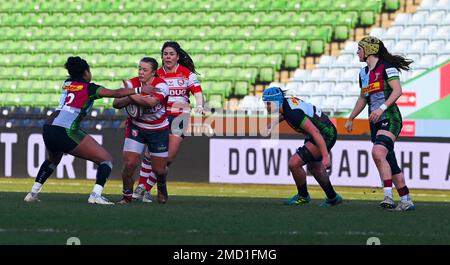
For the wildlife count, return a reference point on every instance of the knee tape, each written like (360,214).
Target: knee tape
(384,141)
(108,163)
(305,155)
(392,160)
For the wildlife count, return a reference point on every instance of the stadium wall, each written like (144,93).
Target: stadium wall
(425,89)
(425,161)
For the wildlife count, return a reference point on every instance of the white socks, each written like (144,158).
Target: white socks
(97,189)
(36,187)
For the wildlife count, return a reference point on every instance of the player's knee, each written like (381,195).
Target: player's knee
(383,140)
(160,170)
(378,155)
(305,155)
(294,163)
(129,164)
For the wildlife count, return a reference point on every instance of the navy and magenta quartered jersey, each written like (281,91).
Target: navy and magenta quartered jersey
(296,111)
(155,118)
(181,83)
(77,99)
(375,87)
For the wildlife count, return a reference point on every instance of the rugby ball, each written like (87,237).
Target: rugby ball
(133,111)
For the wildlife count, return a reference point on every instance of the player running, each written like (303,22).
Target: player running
(147,125)
(178,71)
(62,132)
(320,137)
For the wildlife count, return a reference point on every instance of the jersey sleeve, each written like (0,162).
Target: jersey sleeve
(391,73)
(133,82)
(161,92)
(94,91)
(296,117)
(194,84)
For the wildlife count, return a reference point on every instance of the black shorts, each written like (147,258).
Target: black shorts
(178,124)
(60,139)
(393,125)
(330,140)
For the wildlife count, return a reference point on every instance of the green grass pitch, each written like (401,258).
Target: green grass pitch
(202,213)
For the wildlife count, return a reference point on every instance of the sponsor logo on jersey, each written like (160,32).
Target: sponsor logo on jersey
(374,87)
(169,82)
(391,72)
(294,101)
(177,92)
(376,76)
(134,133)
(72,88)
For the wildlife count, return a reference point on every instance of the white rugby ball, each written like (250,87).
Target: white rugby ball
(133,110)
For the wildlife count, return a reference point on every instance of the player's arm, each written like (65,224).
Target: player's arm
(119,103)
(359,106)
(312,130)
(122,92)
(200,107)
(396,92)
(144,101)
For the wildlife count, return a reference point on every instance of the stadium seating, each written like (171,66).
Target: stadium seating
(235,44)
(423,37)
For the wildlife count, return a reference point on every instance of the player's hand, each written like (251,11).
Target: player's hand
(200,110)
(125,84)
(147,89)
(349,125)
(375,115)
(326,161)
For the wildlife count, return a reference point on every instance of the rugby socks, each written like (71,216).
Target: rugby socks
(103,171)
(303,190)
(36,187)
(146,175)
(329,190)
(45,171)
(387,188)
(404,194)
(97,189)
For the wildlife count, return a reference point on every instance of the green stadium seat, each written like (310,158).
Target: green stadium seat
(216,101)
(241,88)
(367,18)
(391,5)
(341,33)
(317,47)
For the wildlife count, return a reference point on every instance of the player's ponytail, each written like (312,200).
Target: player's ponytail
(399,62)
(184,58)
(76,67)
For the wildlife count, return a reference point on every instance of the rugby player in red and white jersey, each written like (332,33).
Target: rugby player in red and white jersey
(147,125)
(178,71)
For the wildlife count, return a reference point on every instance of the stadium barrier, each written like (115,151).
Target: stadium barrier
(240,159)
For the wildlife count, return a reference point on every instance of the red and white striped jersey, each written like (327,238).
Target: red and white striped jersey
(153,119)
(181,82)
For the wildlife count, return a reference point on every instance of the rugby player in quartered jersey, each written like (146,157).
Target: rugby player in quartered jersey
(380,89)
(62,132)
(320,136)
